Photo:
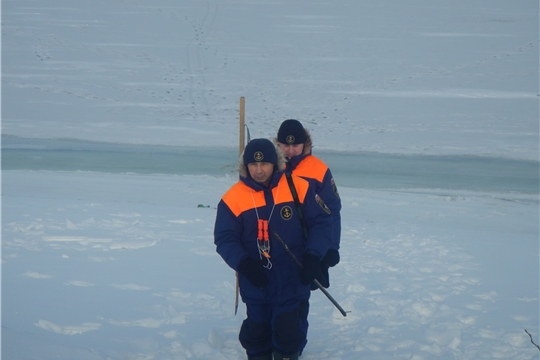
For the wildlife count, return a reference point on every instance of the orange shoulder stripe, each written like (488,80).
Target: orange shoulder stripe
(300,184)
(239,198)
(311,167)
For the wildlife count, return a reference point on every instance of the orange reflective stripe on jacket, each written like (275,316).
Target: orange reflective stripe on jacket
(311,167)
(240,197)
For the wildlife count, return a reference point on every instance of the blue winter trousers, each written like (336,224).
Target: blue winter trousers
(281,327)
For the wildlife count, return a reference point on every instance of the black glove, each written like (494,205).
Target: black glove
(311,268)
(323,277)
(253,270)
(331,258)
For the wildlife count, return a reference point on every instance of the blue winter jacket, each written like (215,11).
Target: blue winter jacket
(235,233)
(314,170)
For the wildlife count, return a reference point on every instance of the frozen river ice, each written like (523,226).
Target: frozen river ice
(359,170)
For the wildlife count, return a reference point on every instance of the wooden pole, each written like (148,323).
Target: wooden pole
(241,149)
(242,124)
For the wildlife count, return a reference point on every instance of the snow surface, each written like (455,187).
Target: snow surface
(428,112)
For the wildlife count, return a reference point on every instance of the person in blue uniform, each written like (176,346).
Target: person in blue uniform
(296,143)
(250,216)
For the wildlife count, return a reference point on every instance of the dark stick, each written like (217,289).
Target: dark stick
(532,339)
(325,292)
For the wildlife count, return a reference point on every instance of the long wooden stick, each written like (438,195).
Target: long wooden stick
(236,296)
(240,150)
(242,124)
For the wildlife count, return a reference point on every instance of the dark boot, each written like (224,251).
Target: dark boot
(267,356)
(278,356)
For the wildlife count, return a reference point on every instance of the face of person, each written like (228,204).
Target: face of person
(261,172)
(291,150)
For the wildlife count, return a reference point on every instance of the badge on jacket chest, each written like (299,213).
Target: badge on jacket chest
(286,213)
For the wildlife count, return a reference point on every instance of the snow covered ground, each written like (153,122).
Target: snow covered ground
(119,118)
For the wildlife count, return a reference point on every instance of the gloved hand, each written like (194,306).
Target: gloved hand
(253,270)
(311,268)
(331,258)
(323,277)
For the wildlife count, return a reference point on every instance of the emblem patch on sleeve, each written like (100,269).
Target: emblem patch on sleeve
(322,204)
(286,213)
(334,187)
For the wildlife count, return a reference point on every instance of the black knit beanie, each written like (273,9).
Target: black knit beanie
(260,150)
(291,132)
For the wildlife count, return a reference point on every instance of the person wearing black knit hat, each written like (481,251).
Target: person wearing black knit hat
(291,132)
(276,291)
(261,159)
(296,143)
